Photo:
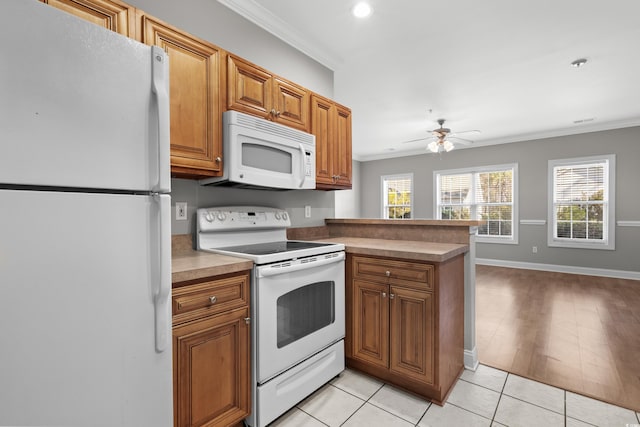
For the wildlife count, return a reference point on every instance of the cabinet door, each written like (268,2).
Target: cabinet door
(322,124)
(412,334)
(291,104)
(248,88)
(194,73)
(342,147)
(111,14)
(371,323)
(212,370)
(331,124)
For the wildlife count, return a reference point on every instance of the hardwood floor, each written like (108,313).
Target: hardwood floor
(580,333)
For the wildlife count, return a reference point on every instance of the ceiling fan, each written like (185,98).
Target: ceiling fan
(442,137)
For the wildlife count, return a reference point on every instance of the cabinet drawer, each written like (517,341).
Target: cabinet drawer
(209,297)
(394,272)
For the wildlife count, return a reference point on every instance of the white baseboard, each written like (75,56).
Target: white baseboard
(471,359)
(587,271)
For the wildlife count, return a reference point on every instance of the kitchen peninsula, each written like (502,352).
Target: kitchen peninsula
(410,300)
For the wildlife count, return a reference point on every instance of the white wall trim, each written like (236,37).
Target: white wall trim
(533,221)
(628,223)
(471,359)
(587,271)
(265,19)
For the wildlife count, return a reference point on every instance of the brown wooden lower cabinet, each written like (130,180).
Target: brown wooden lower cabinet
(211,352)
(405,322)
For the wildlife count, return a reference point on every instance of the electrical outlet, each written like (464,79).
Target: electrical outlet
(181,211)
(307,211)
(534,249)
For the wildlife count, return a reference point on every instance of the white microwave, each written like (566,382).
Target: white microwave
(265,155)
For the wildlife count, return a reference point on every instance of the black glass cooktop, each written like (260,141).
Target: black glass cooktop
(273,247)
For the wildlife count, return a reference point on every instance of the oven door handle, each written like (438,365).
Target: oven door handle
(274,270)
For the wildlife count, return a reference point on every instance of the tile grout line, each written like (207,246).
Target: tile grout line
(391,413)
(305,412)
(493,418)
(425,413)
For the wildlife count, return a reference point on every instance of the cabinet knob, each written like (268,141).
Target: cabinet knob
(384,295)
(247,320)
(213,299)
(218,159)
(388,273)
(392,296)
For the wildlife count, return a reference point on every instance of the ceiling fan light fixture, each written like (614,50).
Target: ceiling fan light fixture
(433,147)
(362,10)
(448,146)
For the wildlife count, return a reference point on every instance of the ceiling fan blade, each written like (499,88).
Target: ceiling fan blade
(416,140)
(457,139)
(472,131)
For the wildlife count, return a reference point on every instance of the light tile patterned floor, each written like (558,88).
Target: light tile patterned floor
(486,397)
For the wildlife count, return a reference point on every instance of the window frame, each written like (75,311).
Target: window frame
(385,205)
(609,226)
(508,240)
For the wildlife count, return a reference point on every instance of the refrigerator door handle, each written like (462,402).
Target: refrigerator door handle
(160,85)
(161,300)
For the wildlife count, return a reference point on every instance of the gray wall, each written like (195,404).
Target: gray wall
(532,158)
(212,21)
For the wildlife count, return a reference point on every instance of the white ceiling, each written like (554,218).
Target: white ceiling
(498,66)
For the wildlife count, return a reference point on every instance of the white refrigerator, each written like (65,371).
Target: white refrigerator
(85,273)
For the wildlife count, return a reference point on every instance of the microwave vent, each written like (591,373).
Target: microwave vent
(270,127)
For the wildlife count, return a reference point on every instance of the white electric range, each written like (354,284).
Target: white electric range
(297,303)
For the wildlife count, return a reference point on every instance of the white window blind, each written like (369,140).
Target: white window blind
(581,202)
(486,193)
(397,195)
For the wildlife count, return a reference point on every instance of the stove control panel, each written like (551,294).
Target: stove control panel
(228,218)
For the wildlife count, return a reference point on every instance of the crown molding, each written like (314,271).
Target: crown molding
(263,18)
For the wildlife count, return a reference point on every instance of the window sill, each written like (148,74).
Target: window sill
(498,240)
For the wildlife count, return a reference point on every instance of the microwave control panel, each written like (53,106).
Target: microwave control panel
(308,164)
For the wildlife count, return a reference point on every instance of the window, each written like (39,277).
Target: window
(482,193)
(581,208)
(397,195)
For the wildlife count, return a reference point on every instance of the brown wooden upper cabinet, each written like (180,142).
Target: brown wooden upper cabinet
(254,90)
(194,85)
(111,14)
(331,124)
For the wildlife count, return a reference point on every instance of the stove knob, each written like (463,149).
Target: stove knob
(284,216)
(277,215)
(221,216)
(209,217)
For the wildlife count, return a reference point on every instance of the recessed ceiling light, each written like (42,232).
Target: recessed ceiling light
(579,62)
(361,10)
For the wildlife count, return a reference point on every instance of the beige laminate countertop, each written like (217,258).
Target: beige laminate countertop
(407,249)
(189,264)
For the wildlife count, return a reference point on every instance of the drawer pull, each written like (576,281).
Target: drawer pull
(388,273)
(213,299)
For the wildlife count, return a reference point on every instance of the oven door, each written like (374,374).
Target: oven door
(299,311)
